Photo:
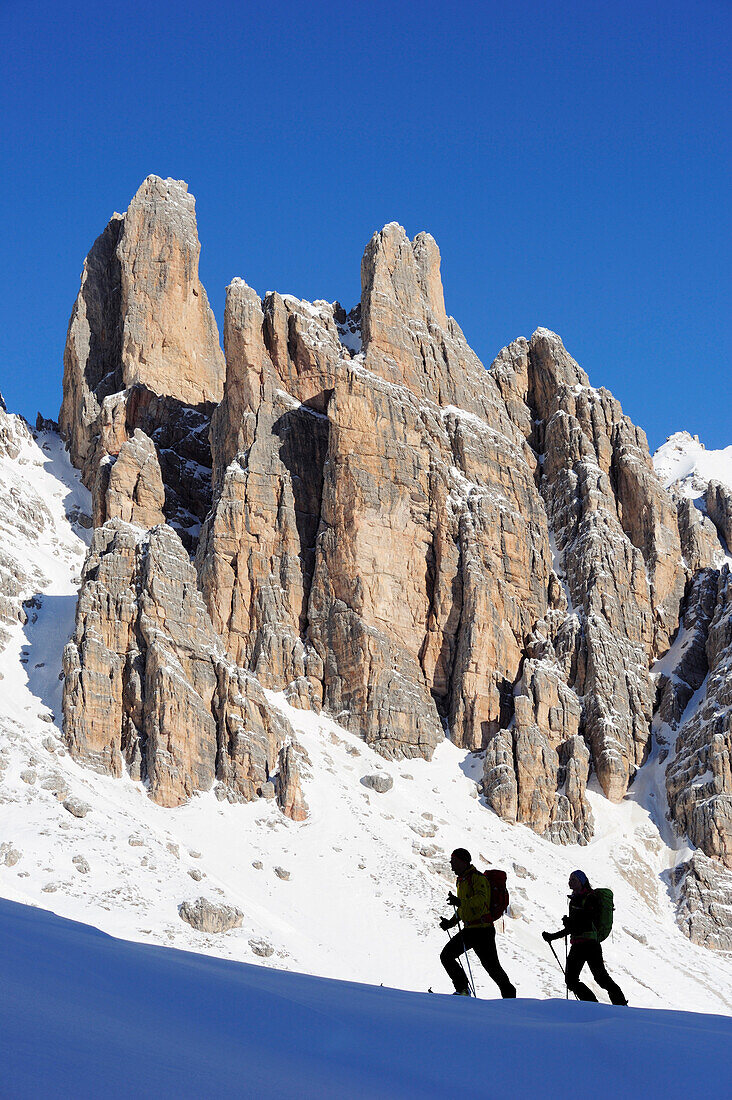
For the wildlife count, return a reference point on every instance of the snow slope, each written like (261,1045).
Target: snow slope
(368,872)
(684,464)
(86,1015)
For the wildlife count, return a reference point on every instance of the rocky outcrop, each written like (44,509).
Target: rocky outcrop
(408,339)
(180,435)
(23,512)
(699,777)
(699,540)
(682,671)
(147,684)
(292,760)
(269,443)
(142,351)
(93,353)
(282,344)
(550,757)
(76,807)
(433,558)
(718,501)
(9,854)
(619,553)
(131,485)
(704,893)
(170,343)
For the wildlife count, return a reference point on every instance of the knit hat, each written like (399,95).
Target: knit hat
(581,878)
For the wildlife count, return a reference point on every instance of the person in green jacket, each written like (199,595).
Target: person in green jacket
(472,904)
(581,926)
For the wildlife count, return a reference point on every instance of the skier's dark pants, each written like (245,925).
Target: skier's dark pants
(590,952)
(483,942)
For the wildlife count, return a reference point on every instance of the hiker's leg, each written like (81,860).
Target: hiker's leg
(575,961)
(448,957)
(483,942)
(596,964)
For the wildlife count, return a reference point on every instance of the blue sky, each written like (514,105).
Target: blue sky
(572,161)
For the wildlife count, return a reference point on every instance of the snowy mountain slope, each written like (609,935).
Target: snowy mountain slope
(686,466)
(83,1014)
(368,872)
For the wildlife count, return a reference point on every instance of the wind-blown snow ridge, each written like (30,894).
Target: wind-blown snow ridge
(684,463)
(83,1014)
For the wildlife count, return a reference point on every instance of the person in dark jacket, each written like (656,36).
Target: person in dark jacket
(581,926)
(472,904)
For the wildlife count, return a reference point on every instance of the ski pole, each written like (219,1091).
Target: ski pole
(566,987)
(562,968)
(465,951)
(559,961)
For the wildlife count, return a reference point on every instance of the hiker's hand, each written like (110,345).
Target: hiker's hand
(445,924)
(453,899)
(547,936)
(565,921)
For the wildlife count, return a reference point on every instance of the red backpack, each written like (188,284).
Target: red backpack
(499,893)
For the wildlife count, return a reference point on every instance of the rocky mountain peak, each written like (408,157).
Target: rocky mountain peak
(170,341)
(142,352)
(399,277)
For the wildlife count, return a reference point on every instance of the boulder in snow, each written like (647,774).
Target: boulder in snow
(261,948)
(379,783)
(9,855)
(76,807)
(207,916)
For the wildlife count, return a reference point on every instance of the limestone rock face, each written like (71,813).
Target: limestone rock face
(699,541)
(705,899)
(699,778)
(289,788)
(316,439)
(428,514)
(93,366)
(142,351)
(23,512)
(407,337)
(367,623)
(718,500)
(257,551)
(131,486)
(180,435)
(147,684)
(683,670)
(432,560)
(170,342)
(279,343)
(551,759)
(619,553)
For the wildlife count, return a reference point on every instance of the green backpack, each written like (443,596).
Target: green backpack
(605,910)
